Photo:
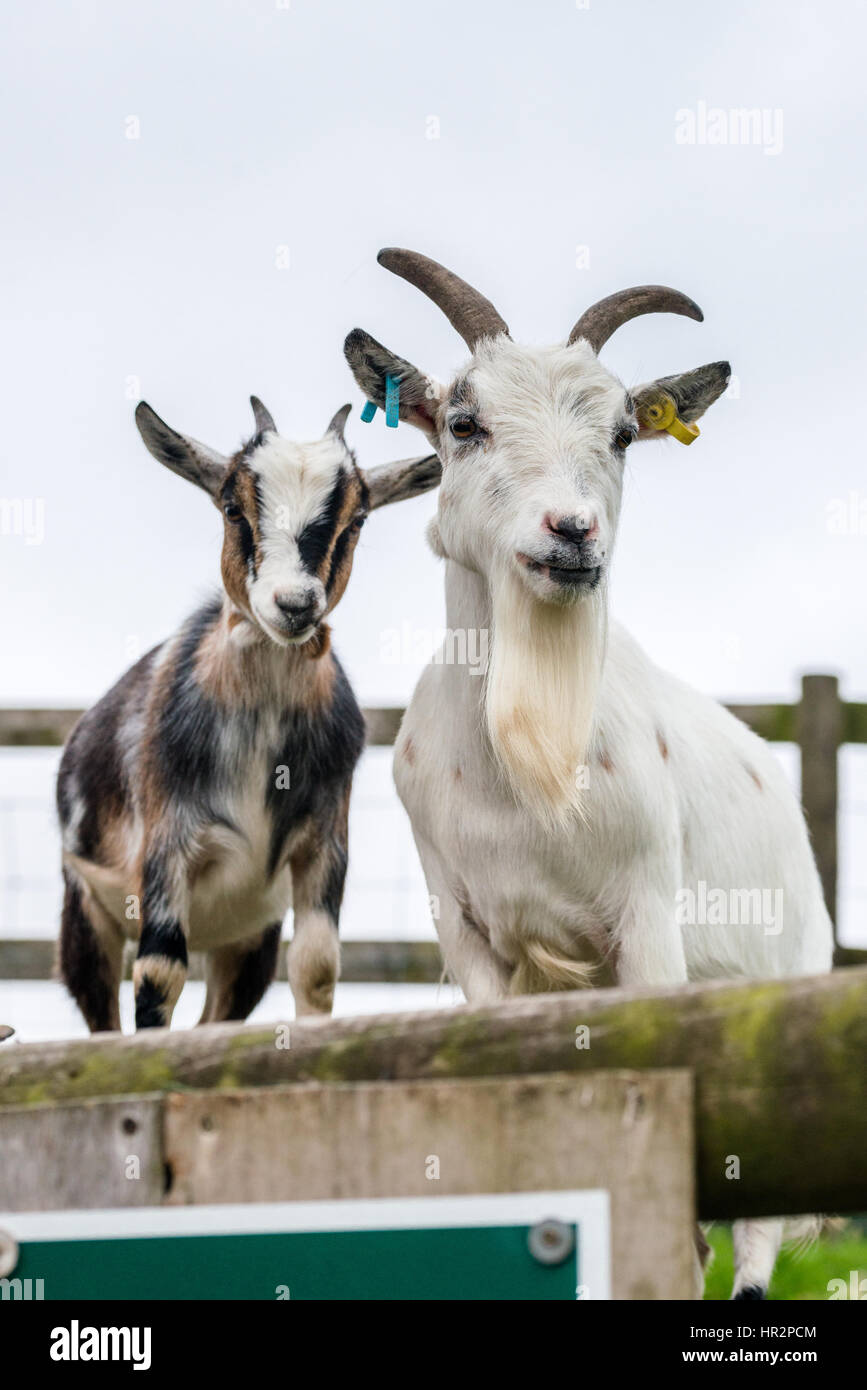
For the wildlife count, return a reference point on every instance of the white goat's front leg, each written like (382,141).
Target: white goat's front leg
(469,959)
(649,943)
(650,952)
(756,1246)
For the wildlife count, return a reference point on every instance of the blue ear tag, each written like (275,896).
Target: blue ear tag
(392,397)
(368,412)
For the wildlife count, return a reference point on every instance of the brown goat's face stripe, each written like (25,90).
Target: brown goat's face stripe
(340,563)
(292,516)
(241,538)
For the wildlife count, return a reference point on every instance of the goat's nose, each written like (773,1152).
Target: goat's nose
(298,609)
(572,528)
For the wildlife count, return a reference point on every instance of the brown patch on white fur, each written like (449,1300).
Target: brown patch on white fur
(237,667)
(756,778)
(663,746)
(605,762)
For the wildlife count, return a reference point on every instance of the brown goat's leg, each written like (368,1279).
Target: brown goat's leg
(160,970)
(318,875)
(238,976)
(90,956)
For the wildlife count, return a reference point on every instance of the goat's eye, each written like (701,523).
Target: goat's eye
(624,438)
(231,512)
(464,427)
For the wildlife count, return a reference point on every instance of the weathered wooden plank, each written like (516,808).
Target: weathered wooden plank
(99,1153)
(775,722)
(363,962)
(34,727)
(629,1133)
(854,722)
(849,955)
(626,1133)
(27,959)
(26,727)
(820,728)
(382,725)
(781,1081)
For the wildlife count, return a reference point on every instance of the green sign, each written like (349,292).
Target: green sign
(521,1246)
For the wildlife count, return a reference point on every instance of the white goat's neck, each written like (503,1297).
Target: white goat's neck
(539,699)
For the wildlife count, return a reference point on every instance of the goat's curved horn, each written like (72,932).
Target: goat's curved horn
(338,422)
(598,322)
(262,415)
(469,312)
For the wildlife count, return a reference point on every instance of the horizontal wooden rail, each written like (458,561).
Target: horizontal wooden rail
(33,728)
(819,724)
(395,962)
(779,1070)
(778,723)
(362,962)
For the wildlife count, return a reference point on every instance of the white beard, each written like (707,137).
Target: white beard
(542,687)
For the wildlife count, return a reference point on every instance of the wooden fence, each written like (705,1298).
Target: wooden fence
(820,723)
(638,1100)
(776,1077)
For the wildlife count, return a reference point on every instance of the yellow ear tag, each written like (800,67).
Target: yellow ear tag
(662,415)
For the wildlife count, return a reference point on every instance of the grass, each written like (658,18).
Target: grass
(800,1273)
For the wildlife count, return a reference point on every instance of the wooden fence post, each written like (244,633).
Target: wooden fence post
(820,731)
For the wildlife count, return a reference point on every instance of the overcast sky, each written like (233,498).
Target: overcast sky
(550,152)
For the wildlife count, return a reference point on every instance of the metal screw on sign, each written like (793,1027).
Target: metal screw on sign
(551,1242)
(8,1253)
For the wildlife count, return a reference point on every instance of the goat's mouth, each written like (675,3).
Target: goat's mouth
(564,576)
(284,636)
(297,639)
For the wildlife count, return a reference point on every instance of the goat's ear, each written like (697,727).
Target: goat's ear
(692,392)
(394,482)
(183,455)
(371,363)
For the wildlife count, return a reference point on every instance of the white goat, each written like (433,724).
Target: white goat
(573,809)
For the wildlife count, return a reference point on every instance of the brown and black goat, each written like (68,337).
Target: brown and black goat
(209,789)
